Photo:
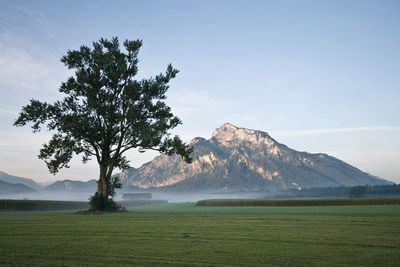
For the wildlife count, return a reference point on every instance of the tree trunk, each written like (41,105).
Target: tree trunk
(103,183)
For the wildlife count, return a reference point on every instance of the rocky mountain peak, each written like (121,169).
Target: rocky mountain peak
(228,133)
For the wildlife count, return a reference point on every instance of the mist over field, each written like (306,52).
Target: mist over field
(194,197)
(170,197)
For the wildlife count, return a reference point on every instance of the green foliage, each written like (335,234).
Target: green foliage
(358,191)
(114,184)
(105,111)
(100,202)
(341,191)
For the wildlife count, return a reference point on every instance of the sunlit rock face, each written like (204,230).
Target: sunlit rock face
(239,159)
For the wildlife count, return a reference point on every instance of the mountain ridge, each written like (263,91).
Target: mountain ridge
(244,159)
(17,188)
(15,179)
(72,186)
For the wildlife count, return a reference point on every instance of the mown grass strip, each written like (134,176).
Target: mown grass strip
(191,208)
(38,205)
(299,202)
(52,238)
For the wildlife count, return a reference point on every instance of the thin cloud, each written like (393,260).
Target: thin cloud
(23,73)
(8,112)
(19,69)
(336,130)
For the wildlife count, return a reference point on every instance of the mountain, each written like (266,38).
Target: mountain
(9,188)
(15,179)
(239,159)
(75,186)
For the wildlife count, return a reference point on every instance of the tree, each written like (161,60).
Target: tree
(358,191)
(106,112)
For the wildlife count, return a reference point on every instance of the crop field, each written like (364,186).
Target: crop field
(187,234)
(24,205)
(299,202)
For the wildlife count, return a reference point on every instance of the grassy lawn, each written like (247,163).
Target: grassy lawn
(186,234)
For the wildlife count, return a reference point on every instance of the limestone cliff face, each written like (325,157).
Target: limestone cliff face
(243,159)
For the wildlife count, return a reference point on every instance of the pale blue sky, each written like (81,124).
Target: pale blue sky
(319,76)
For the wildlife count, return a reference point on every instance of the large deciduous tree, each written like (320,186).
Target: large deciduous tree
(106,112)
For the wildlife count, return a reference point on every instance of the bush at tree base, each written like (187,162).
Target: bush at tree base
(99,202)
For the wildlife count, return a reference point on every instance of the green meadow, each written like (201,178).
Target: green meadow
(186,234)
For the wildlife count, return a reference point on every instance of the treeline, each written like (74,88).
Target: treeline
(342,191)
(299,202)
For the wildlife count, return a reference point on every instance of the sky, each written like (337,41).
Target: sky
(318,76)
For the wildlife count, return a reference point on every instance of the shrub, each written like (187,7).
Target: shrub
(99,202)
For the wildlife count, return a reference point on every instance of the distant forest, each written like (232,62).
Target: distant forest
(342,191)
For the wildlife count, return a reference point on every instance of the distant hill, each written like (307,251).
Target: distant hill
(9,188)
(15,179)
(74,186)
(239,159)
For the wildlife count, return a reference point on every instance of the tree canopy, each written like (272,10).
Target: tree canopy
(105,111)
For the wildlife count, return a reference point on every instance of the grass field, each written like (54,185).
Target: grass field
(186,234)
